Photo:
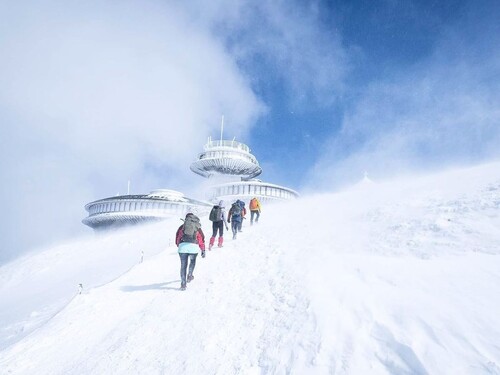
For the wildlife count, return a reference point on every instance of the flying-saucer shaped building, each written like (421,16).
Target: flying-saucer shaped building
(233,163)
(231,170)
(228,159)
(132,209)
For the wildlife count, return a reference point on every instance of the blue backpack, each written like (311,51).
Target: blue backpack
(235,210)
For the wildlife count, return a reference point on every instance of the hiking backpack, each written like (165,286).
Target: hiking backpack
(254,204)
(190,229)
(216,214)
(235,210)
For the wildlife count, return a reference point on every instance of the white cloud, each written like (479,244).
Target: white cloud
(94,93)
(438,113)
(290,39)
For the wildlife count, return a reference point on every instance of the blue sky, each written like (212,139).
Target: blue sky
(96,93)
(386,45)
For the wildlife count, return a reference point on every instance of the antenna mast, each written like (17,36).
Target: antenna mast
(221,129)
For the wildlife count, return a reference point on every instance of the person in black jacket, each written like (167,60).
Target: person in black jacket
(218,218)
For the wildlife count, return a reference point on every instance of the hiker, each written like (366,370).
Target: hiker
(189,239)
(243,214)
(254,210)
(235,217)
(218,218)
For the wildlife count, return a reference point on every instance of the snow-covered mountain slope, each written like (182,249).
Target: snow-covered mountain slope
(38,285)
(399,277)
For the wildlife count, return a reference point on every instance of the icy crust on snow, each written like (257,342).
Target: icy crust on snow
(400,277)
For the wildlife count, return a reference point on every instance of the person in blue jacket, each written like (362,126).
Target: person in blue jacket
(235,216)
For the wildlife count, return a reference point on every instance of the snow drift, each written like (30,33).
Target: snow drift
(397,277)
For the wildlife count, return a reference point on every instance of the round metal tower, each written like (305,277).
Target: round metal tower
(231,169)
(226,158)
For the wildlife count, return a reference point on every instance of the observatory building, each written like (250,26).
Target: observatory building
(133,209)
(230,169)
(226,159)
(246,190)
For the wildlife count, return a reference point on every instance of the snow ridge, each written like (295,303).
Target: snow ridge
(389,278)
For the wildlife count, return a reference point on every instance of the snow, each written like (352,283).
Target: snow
(399,277)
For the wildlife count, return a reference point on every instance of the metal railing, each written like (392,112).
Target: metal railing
(226,143)
(228,155)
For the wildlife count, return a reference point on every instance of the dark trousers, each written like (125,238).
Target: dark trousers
(184,264)
(256,212)
(235,226)
(218,226)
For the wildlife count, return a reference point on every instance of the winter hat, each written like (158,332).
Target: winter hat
(221,203)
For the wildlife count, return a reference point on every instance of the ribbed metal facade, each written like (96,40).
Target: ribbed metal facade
(230,161)
(246,190)
(132,209)
(227,158)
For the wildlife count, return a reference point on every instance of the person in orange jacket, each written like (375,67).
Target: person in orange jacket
(254,210)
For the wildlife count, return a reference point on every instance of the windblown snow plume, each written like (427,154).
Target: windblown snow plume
(395,277)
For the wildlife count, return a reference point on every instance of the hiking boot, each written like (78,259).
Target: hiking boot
(211,244)
(190,278)
(221,240)
(234,236)
(183,286)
